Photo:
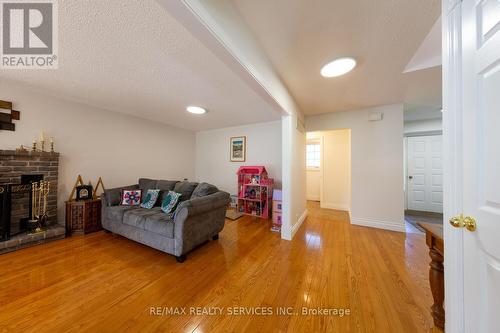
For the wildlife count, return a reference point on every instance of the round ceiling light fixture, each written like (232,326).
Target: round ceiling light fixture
(338,67)
(196,110)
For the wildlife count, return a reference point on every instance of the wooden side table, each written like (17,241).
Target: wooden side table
(434,240)
(83,217)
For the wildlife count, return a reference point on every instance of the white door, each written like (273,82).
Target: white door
(480,137)
(425,173)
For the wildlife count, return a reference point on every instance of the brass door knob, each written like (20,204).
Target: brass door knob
(460,221)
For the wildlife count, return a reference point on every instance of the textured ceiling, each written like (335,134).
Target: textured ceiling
(134,57)
(300,36)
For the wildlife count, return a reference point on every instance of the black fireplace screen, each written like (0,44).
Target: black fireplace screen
(16,206)
(4,212)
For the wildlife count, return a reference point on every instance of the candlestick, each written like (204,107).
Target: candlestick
(51,145)
(42,135)
(34,145)
(43,145)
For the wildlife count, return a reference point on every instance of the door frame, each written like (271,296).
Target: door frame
(452,163)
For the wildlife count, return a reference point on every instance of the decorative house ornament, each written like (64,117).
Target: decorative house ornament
(85,192)
(101,184)
(238,149)
(7,115)
(79,182)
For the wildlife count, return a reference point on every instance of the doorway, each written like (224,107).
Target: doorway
(328,169)
(423,142)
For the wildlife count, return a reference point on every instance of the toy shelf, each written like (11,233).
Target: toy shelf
(255,191)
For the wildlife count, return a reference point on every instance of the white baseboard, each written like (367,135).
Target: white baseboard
(335,206)
(379,224)
(313,198)
(301,220)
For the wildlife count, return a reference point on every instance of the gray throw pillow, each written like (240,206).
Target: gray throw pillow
(204,189)
(185,188)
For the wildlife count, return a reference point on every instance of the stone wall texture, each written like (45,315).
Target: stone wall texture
(13,164)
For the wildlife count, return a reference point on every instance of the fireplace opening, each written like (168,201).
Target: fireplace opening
(16,204)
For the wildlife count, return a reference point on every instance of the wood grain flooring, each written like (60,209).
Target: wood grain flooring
(106,283)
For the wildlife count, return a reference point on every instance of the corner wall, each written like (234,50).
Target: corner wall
(98,143)
(294,177)
(377,163)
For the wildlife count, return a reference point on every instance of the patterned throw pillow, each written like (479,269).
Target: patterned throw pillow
(150,199)
(170,201)
(131,197)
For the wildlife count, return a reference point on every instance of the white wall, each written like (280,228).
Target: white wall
(423,126)
(212,153)
(95,142)
(377,163)
(336,170)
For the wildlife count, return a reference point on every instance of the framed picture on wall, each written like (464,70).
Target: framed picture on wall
(238,148)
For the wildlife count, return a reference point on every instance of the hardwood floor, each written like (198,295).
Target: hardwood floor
(106,283)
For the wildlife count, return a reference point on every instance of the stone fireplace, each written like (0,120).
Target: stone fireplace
(17,171)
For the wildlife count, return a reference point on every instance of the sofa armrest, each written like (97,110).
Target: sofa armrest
(111,197)
(198,219)
(201,205)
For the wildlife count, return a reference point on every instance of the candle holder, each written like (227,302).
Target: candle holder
(42,142)
(33,148)
(52,146)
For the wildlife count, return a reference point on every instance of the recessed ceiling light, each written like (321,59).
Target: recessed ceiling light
(196,110)
(338,67)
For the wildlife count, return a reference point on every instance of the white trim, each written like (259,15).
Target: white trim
(286,177)
(301,220)
(424,133)
(335,206)
(452,164)
(313,198)
(379,224)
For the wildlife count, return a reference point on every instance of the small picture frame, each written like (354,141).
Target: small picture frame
(84,192)
(238,149)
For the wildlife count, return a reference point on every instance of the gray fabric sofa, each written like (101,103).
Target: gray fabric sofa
(199,217)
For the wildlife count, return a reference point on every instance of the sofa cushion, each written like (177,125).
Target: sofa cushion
(185,188)
(137,217)
(116,212)
(204,189)
(160,223)
(164,186)
(146,184)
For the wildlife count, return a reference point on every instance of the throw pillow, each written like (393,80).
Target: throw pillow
(150,199)
(131,197)
(204,189)
(170,202)
(185,188)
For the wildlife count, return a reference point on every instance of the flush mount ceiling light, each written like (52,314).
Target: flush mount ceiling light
(338,67)
(196,110)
